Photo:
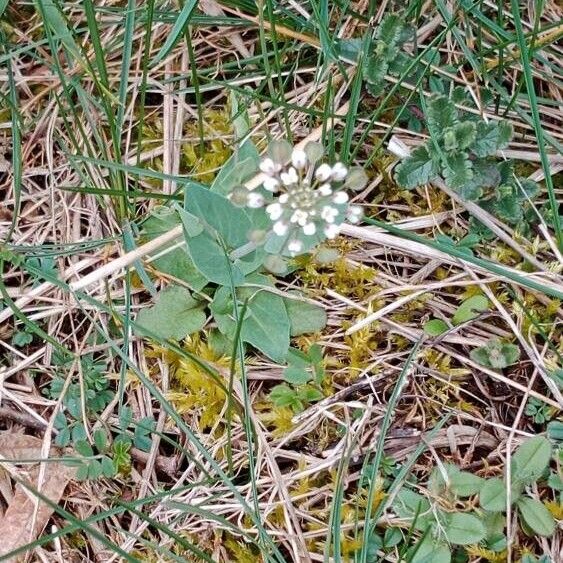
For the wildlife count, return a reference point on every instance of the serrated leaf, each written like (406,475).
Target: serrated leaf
(416,170)
(304,317)
(390,29)
(508,208)
(435,327)
(460,136)
(471,191)
(536,516)
(531,459)
(283,396)
(491,137)
(309,394)
(526,189)
(505,132)
(175,314)
(440,115)
(486,174)
(296,376)
(22,338)
(463,529)
(457,170)
(470,309)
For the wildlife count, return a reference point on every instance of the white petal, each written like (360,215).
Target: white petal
(300,217)
(271,184)
(275,211)
(355,213)
(290,177)
(255,200)
(325,190)
(295,246)
(283,198)
(329,213)
(268,166)
(331,231)
(340,197)
(299,159)
(280,228)
(309,229)
(339,172)
(323,172)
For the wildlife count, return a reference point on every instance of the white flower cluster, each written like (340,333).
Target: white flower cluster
(307,199)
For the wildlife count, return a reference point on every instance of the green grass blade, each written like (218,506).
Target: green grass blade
(538,129)
(176,31)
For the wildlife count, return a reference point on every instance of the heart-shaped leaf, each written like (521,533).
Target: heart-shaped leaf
(175,314)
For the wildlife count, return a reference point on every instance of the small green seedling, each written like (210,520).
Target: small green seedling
(303,376)
(496,354)
(469,309)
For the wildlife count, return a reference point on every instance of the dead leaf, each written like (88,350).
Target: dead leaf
(18,525)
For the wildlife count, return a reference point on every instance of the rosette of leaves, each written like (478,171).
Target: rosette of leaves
(461,152)
(230,245)
(216,257)
(496,354)
(386,54)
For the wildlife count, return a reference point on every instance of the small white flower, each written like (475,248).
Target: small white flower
(295,246)
(331,231)
(309,229)
(323,172)
(329,214)
(255,200)
(269,167)
(340,197)
(280,228)
(339,172)
(275,211)
(271,184)
(299,159)
(325,189)
(290,177)
(354,213)
(283,198)
(300,217)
